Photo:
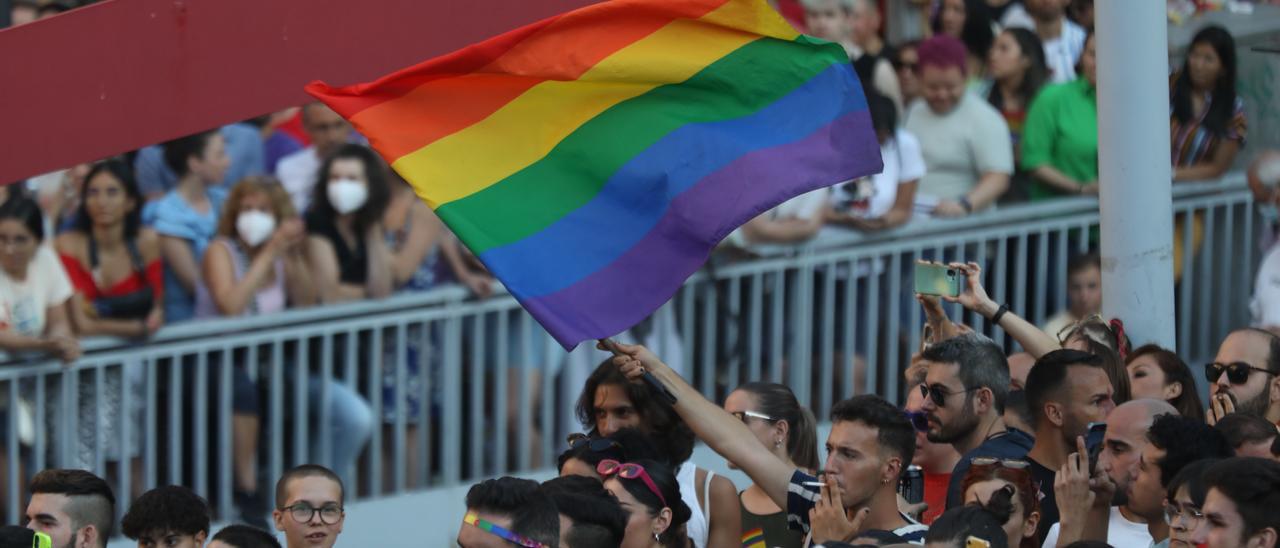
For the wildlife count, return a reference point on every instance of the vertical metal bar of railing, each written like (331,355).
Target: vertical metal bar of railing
(1204,309)
(524,409)
(151,444)
(99,459)
(915,318)
(893,331)
(500,392)
(1227,250)
(706,380)
(1001,293)
(426,430)
(872,335)
(1246,274)
(827,341)
(477,416)
(13,456)
(226,422)
(851,335)
(977,321)
(733,335)
(550,355)
(41,444)
(451,437)
(127,456)
(802,318)
(401,392)
(275,428)
(301,372)
(777,336)
(1060,268)
(1042,276)
(688,328)
(755,329)
(373,362)
(200,440)
(175,440)
(1184,305)
(1020,279)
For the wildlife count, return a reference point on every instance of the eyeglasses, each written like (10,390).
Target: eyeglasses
(630,470)
(1189,514)
(302,512)
(497,530)
(744,415)
(919,420)
(939,393)
(1065,333)
(1013,464)
(1237,372)
(596,445)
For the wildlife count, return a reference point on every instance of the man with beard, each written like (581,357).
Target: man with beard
(964,397)
(74,507)
(1066,390)
(1123,444)
(1244,376)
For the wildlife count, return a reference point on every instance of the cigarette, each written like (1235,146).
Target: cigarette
(813,483)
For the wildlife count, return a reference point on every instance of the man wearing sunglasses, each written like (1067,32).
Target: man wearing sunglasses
(964,397)
(1240,507)
(309,501)
(870,444)
(506,512)
(1246,376)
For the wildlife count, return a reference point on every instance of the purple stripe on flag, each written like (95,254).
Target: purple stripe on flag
(626,291)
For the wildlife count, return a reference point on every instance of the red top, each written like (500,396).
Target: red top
(83,281)
(935,495)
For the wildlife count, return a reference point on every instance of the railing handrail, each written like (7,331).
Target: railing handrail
(453,294)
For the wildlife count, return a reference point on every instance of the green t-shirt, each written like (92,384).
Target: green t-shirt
(1062,132)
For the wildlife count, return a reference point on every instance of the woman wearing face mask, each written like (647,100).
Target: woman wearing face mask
(1060,142)
(648,491)
(255,265)
(347,245)
(113,261)
(965,142)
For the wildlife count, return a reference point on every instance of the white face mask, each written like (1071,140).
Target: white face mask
(255,226)
(347,195)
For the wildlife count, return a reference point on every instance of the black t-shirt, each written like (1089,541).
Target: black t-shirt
(1043,477)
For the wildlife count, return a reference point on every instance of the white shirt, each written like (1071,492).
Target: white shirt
(1266,290)
(1061,53)
(872,197)
(959,146)
(297,173)
(23,303)
(804,206)
(1121,532)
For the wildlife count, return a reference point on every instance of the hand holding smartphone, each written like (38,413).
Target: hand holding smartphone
(938,279)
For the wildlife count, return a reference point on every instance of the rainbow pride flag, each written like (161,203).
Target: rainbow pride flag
(753,538)
(594,159)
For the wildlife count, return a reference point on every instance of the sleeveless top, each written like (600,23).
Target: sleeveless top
(267,300)
(768,530)
(698,527)
(425,276)
(353,262)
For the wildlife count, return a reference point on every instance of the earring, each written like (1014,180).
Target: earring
(777,443)
(656,538)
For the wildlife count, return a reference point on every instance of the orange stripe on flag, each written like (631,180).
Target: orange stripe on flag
(562,50)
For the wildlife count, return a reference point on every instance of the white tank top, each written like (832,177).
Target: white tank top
(697,527)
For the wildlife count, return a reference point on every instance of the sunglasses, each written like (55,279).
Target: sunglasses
(1237,372)
(1013,464)
(919,420)
(497,530)
(744,415)
(596,445)
(939,393)
(629,470)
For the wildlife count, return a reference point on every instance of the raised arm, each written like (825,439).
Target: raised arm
(727,436)
(974,297)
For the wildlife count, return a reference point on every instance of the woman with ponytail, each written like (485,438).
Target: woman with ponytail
(786,429)
(650,494)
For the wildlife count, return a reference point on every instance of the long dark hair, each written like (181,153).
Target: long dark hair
(1036,75)
(671,436)
(779,402)
(375,172)
(1222,108)
(665,479)
(1175,370)
(976,33)
(122,173)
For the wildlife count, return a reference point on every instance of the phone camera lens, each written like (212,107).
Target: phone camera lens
(951,272)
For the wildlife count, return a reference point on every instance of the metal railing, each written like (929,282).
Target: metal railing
(830,318)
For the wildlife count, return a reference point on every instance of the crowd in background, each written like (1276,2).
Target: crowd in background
(994,104)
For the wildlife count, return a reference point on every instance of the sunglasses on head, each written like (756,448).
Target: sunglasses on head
(919,420)
(939,393)
(1014,464)
(629,470)
(1237,372)
(744,415)
(497,530)
(596,445)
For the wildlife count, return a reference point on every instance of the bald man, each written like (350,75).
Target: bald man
(1126,435)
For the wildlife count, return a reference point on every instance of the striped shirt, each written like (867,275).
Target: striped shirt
(801,498)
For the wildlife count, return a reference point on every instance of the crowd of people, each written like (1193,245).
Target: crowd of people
(995,104)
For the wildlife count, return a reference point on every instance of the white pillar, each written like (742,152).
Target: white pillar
(1134,171)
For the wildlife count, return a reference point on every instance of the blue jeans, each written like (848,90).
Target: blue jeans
(351,423)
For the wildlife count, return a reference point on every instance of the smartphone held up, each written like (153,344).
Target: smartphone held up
(938,280)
